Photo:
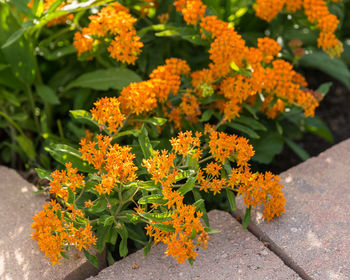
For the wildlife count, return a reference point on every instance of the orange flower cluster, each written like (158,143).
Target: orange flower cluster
(54,229)
(192,10)
(115,23)
(113,162)
(265,75)
(107,111)
(316,11)
(144,96)
(62,180)
(55,21)
(185,144)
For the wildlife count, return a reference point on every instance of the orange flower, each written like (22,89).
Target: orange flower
(192,10)
(115,22)
(53,232)
(184,143)
(107,111)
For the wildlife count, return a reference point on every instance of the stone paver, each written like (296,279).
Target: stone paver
(20,258)
(314,233)
(232,254)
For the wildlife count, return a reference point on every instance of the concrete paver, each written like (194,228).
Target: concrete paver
(232,254)
(20,258)
(314,233)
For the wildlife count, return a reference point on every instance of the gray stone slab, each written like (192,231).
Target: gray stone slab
(20,258)
(314,233)
(232,254)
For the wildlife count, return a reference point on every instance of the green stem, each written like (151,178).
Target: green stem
(32,105)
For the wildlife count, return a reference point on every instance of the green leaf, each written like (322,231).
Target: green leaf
(112,78)
(147,247)
(123,246)
(169,228)
(22,6)
(55,5)
(47,94)
(298,150)
(154,120)
(157,217)
(324,88)
(246,218)
(99,206)
(252,123)
(20,55)
(206,115)
(154,198)
(134,132)
(231,199)
(148,186)
(13,38)
(102,234)
(84,115)
(316,126)
(188,186)
(334,67)
(251,133)
(64,153)
(43,174)
(201,206)
(27,146)
(91,258)
(145,143)
(211,231)
(269,145)
(109,221)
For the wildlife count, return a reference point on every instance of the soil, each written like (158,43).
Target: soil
(334,110)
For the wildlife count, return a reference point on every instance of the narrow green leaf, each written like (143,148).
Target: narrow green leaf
(316,126)
(43,174)
(188,186)
(99,206)
(109,221)
(27,146)
(297,149)
(251,133)
(334,67)
(211,231)
(169,228)
(65,153)
(47,94)
(157,217)
(154,120)
(201,206)
(55,5)
(231,199)
(112,78)
(154,198)
(91,258)
(324,88)
(13,38)
(147,247)
(246,218)
(252,123)
(145,143)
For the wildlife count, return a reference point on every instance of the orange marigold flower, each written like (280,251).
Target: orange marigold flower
(88,204)
(269,47)
(107,111)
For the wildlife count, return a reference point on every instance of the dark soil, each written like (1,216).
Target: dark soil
(334,110)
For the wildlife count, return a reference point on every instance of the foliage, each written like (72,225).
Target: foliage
(157,68)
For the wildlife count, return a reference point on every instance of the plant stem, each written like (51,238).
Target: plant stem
(32,105)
